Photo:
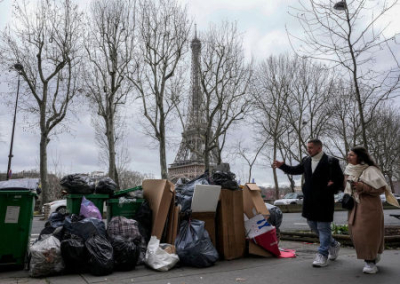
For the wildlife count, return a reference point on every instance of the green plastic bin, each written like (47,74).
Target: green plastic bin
(16,215)
(74,202)
(123,192)
(126,209)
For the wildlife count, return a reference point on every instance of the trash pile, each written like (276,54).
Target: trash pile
(158,224)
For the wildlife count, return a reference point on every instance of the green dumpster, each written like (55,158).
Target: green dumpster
(126,208)
(74,202)
(16,215)
(121,206)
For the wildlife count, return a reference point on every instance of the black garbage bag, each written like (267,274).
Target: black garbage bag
(188,188)
(74,254)
(225,180)
(100,251)
(85,228)
(105,185)
(126,252)
(276,215)
(185,201)
(184,191)
(56,219)
(194,246)
(78,184)
(144,216)
(45,233)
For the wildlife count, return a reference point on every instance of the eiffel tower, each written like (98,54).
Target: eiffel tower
(189,161)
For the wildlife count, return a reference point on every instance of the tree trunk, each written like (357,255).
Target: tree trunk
(43,169)
(112,168)
(163,156)
(275,175)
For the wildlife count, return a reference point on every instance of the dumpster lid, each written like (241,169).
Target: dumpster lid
(126,191)
(21,184)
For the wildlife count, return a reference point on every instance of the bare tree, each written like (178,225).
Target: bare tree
(163,40)
(309,109)
(271,91)
(384,141)
(250,155)
(130,179)
(225,78)
(46,41)
(351,34)
(110,48)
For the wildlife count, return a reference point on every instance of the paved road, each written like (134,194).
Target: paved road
(294,221)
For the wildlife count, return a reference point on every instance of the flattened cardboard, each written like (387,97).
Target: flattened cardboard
(257,250)
(173,221)
(253,203)
(160,194)
(205,198)
(209,223)
(231,242)
(256,225)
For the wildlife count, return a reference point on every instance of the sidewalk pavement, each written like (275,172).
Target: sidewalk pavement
(251,269)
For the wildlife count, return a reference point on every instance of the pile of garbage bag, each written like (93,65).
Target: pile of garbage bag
(83,184)
(79,244)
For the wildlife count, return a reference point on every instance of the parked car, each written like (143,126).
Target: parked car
(339,197)
(55,206)
(290,198)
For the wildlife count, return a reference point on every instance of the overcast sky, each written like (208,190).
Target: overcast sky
(262,23)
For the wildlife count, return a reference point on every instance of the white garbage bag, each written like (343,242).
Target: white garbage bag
(158,258)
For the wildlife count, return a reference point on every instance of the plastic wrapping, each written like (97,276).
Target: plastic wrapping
(126,253)
(158,258)
(85,228)
(88,209)
(21,184)
(46,258)
(75,255)
(194,246)
(78,184)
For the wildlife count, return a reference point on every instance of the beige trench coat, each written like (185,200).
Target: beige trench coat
(366,224)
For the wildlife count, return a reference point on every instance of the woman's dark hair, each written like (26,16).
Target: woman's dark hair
(363,156)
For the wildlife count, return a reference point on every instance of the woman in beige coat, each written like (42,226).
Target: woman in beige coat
(365,182)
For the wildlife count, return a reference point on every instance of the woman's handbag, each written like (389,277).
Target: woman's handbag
(347,202)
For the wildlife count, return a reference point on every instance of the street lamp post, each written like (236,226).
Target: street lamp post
(19,69)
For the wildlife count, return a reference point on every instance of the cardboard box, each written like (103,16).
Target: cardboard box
(231,242)
(257,250)
(209,223)
(173,221)
(161,197)
(253,203)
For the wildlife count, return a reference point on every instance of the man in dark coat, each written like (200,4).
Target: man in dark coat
(323,178)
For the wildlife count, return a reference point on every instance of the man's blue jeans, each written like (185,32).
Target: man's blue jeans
(323,231)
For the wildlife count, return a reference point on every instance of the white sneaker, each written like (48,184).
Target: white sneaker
(334,251)
(378,258)
(320,260)
(370,268)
